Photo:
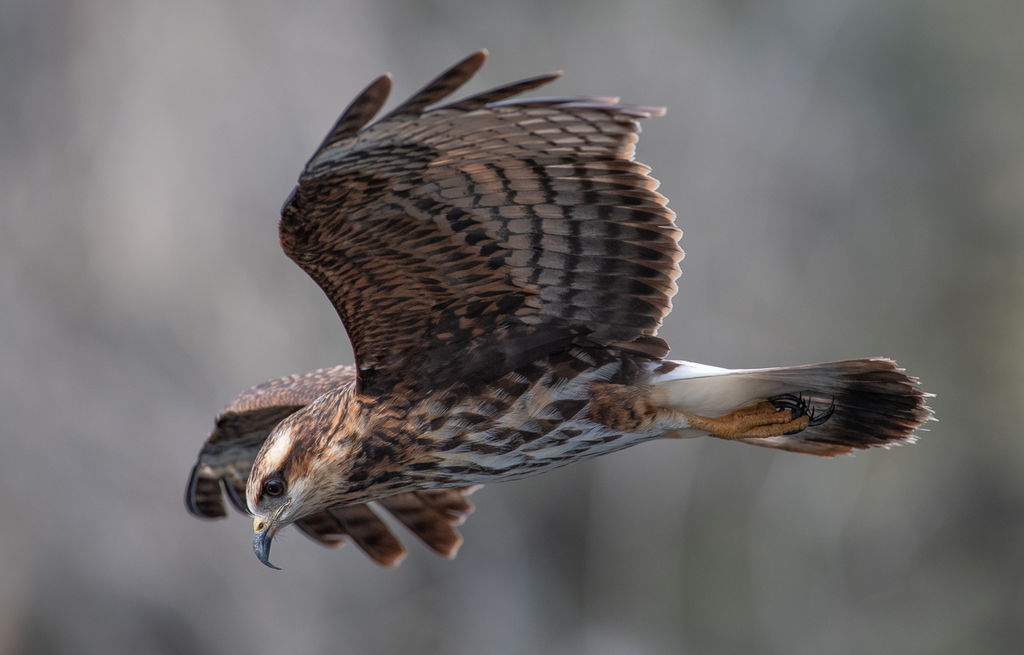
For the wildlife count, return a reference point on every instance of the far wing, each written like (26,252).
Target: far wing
(241,428)
(473,238)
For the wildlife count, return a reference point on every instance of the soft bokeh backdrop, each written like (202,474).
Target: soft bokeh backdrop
(850,178)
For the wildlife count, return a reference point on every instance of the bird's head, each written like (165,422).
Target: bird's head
(302,468)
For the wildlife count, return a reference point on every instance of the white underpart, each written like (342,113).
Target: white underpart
(710,390)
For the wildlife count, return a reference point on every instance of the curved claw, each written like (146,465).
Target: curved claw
(800,406)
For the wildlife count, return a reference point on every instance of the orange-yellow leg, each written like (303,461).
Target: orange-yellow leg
(756,422)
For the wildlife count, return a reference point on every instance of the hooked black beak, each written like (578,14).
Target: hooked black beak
(261,537)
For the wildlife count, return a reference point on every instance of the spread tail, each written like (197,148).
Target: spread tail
(852,404)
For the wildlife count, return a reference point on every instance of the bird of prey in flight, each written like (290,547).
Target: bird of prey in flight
(502,266)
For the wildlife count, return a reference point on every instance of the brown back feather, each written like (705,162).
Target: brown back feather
(474,238)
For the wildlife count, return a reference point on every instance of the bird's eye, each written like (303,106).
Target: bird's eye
(273,488)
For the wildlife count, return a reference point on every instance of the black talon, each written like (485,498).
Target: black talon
(796,404)
(799,406)
(819,417)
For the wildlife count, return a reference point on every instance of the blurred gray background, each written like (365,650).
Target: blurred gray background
(850,178)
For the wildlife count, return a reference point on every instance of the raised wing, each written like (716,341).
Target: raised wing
(241,428)
(471,239)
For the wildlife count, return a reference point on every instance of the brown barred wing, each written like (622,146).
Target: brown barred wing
(430,514)
(471,239)
(241,428)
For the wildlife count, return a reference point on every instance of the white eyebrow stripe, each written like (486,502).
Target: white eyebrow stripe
(274,456)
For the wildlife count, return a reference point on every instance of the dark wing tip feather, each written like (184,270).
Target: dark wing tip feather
(359,112)
(608,103)
(235,491)
(370,533)
(453,504)
(431,515)
(358,523)
(502,92)
(442,86)
(203,495)
(602,102)
(324,528)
